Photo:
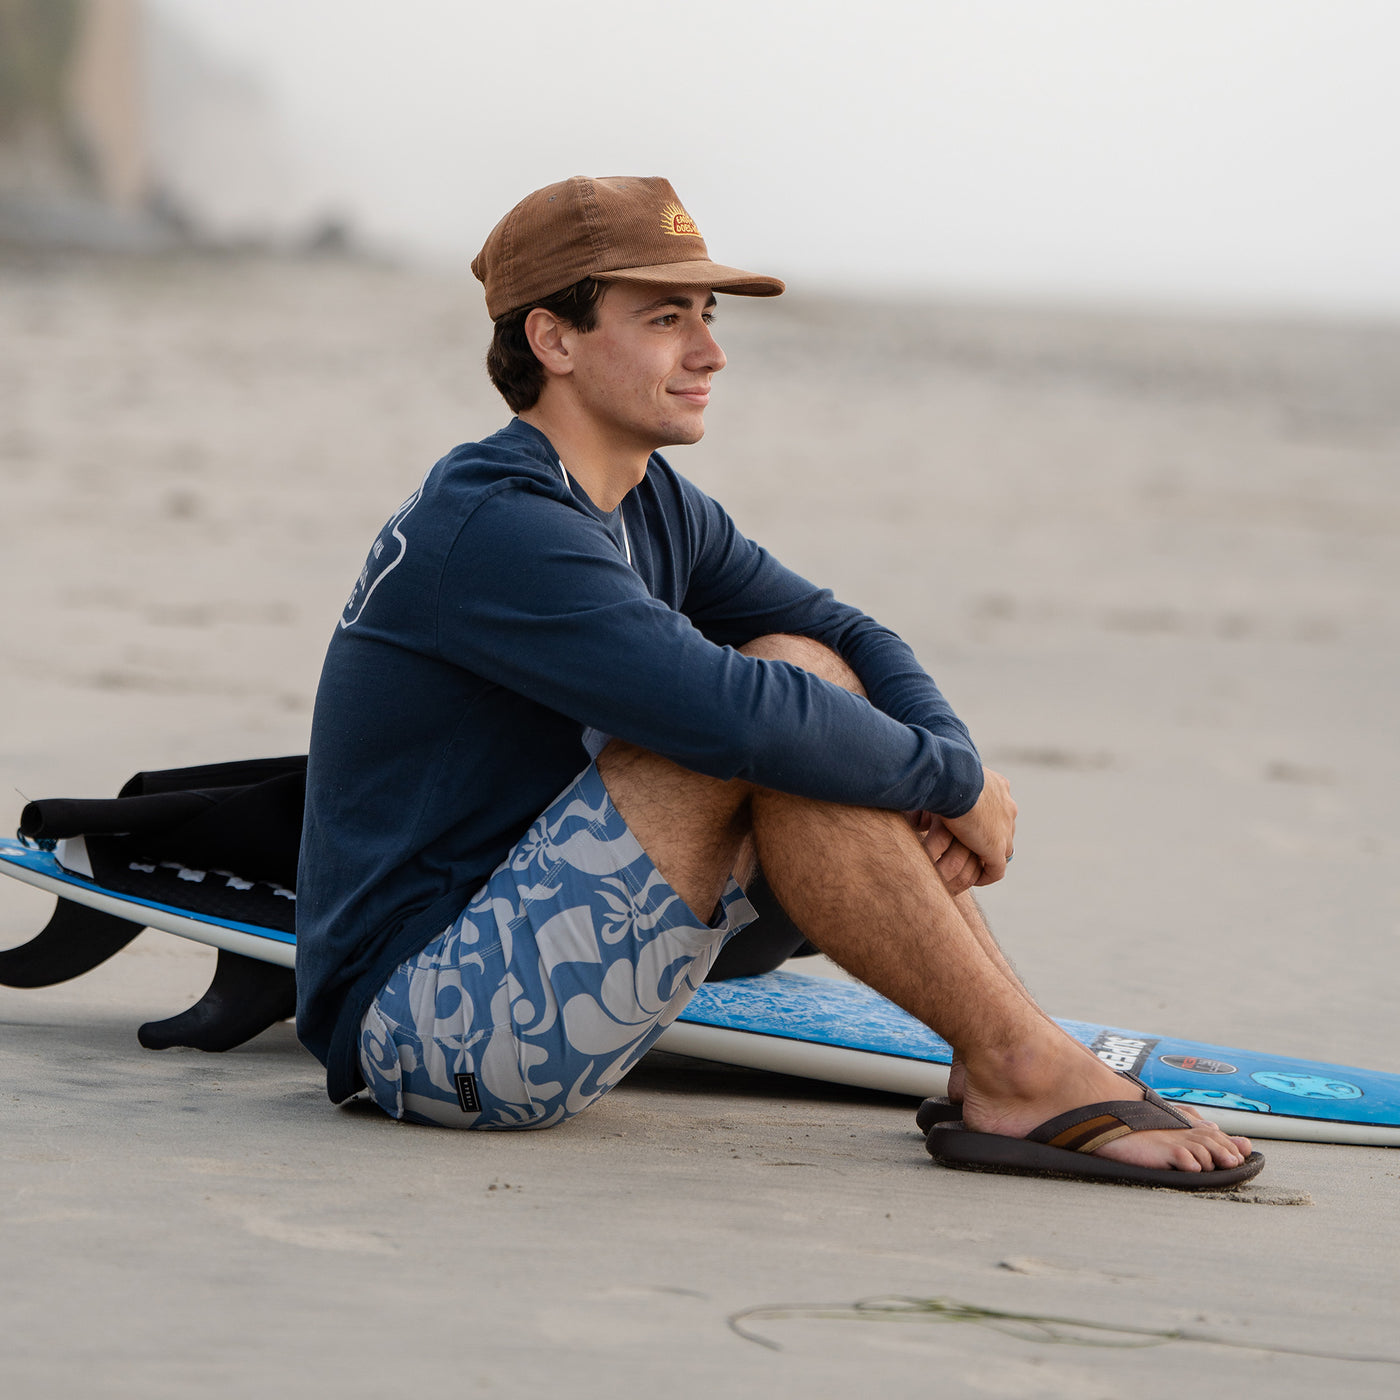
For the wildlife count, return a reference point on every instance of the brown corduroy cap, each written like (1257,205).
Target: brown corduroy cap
(621,228)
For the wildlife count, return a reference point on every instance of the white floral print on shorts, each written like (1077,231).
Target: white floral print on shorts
(558,977)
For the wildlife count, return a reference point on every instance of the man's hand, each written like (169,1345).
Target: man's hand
(956,865)
(988,831)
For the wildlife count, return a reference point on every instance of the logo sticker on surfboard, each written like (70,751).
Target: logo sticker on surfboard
(1307,1086)
(1127,1053)
(1216,1098)
(1197,1064)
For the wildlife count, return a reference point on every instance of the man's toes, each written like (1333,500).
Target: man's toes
(1195,1151)
(1221,1152)
(1210,1156)
(1189,1157)
(1227,1151)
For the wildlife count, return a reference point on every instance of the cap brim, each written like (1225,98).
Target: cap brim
(700,273)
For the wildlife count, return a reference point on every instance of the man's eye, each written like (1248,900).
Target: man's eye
(667,320)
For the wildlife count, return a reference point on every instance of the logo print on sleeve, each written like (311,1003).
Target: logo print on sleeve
(385,555)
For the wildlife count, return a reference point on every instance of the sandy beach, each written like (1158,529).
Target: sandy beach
(1155,563)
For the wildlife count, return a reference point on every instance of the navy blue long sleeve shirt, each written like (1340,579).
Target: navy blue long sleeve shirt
(497,618)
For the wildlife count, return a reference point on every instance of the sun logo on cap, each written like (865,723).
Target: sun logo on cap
(675,220)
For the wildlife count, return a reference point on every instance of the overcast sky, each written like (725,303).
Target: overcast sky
(1228,152)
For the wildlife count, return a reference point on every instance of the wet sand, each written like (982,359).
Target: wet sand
(1152,560)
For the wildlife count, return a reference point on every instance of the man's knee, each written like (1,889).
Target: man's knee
(807,653)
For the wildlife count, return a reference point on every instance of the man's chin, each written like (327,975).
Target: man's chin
(684,434)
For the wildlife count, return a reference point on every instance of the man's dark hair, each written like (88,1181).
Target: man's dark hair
(511,363)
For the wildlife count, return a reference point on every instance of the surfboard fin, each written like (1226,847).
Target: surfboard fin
(244,999)
(74,941)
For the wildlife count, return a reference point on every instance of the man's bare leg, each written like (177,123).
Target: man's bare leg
(813,656)
(959,869)
(859,883)
(867,901)
(976,922)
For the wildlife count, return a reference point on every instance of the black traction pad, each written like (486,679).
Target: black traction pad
(120,864)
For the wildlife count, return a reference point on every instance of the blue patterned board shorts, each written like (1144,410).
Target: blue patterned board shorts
(559,976)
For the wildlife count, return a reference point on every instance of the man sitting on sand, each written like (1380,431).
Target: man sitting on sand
(492,930)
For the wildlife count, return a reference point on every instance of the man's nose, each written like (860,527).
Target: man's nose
(705,353)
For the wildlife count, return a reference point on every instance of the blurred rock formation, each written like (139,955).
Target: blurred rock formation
(119,132)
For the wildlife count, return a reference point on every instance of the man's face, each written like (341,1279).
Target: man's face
(642,375)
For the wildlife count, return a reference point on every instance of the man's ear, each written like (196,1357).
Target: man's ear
(549,339)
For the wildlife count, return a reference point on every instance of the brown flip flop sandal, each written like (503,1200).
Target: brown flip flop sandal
(937,1110)
(944,1110)
(1062,1147)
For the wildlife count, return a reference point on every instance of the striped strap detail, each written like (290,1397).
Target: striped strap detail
(1090,1136)
(1092,1127)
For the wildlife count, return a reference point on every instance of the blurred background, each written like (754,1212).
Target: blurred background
(1087,382)
(1237,155)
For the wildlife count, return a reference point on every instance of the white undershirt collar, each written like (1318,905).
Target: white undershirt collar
(626,542)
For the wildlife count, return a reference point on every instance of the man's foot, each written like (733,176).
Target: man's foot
(949,1109)
(957,1079)
(1012,1095)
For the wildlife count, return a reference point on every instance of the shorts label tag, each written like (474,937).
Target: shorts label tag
(466,1093)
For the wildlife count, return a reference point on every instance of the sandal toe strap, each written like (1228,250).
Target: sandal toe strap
(1089,1128)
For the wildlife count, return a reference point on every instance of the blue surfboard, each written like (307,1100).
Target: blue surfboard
(842,1031)
(824,1028)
